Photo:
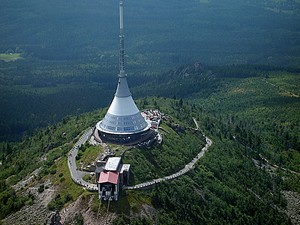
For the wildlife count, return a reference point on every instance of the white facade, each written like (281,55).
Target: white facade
(112,163)
(123,116)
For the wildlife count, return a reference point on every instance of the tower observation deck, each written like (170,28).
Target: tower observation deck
(123,122)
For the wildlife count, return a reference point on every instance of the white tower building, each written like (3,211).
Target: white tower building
(123,122)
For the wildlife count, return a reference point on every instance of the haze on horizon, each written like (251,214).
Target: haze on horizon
(165,32)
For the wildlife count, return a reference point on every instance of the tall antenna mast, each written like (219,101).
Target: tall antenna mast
(123,123)
(122,50)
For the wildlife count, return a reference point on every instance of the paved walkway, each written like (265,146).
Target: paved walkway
(181,172)
(75,174)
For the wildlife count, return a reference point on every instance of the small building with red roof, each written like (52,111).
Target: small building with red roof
(108,185)
(113,175)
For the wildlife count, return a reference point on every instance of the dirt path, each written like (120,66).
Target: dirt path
(289,93)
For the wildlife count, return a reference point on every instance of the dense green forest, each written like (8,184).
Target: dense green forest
(226,186)
(205,30)
(60,58)
(232,65)
(248,112)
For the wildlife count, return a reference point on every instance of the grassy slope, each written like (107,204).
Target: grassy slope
(177,150)
(225,183)
(265,120)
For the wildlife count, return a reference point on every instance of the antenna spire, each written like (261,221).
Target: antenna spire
(122,50)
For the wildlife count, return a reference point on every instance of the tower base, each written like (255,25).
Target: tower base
(126,139)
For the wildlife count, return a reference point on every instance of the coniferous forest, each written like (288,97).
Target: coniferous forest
(232,66)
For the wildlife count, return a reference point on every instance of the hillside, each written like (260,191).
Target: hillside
(250,175)
(231,67)
(60,53)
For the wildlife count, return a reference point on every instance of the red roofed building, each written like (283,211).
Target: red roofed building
(108,185)
(108,177)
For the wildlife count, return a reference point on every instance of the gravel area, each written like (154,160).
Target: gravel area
(293,206)
(83,205)
(37,213)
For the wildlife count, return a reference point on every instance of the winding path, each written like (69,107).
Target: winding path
(93,187)
(181,172)
(72,162)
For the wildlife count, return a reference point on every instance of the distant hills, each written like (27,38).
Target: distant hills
(232,65)
(69,50)
(168,32)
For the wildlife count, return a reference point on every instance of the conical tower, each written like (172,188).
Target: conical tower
(123,122)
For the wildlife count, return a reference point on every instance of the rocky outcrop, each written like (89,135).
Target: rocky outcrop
(36,213)
(293,206)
